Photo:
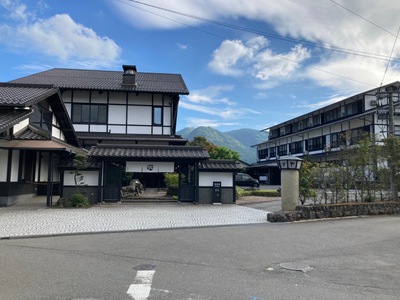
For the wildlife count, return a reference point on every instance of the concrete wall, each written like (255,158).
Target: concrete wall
(91,192)
(206,195)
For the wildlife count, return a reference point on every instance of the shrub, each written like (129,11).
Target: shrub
(256,192)
(79,200)
(171,181)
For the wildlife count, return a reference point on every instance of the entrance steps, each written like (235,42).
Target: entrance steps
(150,195)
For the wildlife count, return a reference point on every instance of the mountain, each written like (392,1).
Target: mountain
(248,137)
(239,140)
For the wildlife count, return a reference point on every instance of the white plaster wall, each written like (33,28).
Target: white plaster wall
(80,127)
(44,166)
(117,114)
(117,98)
(167,130)
(139,129)
(66,96)
(98,128)
(157,99)
(21,125)
(99,98)
(81,96)
(139,99)
(207,179)
(3,165)
(68,107)
(157,130)
(167,116)
(355,123)
(15,165)
(56,133)
(116,129)
(91,178)
(149,167)
(139,115)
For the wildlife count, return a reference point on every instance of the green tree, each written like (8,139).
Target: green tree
(221,152)
(216,152)
(203,142)
(306,190)
(391,153)
(79,163)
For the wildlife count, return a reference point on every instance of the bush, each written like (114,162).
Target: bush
(79,200)
(171,181)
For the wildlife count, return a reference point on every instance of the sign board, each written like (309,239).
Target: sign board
(149,167)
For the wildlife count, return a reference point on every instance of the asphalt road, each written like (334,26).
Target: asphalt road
(355,258)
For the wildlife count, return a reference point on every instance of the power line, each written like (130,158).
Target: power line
(270,35)
(365,19)
(222,37)
(391,53)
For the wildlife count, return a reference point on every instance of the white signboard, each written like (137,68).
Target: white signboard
(149,167)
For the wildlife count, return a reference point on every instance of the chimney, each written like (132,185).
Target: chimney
(128,78)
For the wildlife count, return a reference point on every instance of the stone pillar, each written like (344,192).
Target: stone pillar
(289,189)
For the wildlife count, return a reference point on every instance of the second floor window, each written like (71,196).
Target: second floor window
(262,153)
(282,150)
(157,115)
(315,143)
(41,118)
(296,147)
(89,113)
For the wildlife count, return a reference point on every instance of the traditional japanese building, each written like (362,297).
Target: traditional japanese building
(126,121)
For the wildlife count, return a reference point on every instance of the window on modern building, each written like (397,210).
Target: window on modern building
(272,152)
(89,113)
(359,133)
(296,147)
(262,153)
(274,133)
(41,118)
(282,150)
(157,115)
(295,127)
(315,143)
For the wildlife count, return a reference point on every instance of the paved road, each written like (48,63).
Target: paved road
(354,258)
(26,221)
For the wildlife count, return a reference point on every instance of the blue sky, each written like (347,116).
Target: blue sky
(247,64)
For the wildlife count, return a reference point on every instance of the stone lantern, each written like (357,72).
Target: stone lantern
(289,166)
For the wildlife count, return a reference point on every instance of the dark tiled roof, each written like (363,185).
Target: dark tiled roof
(40,145)
(129,137)
(108,80)
(12,117)
(31,134)
(220,164)
(24,95)
(149,152)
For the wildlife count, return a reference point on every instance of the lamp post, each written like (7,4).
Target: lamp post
(289,166)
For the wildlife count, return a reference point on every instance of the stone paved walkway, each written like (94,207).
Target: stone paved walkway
(115,218)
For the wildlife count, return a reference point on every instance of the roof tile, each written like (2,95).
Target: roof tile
(108,80)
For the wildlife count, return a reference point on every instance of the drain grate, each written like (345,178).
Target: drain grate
(296,266)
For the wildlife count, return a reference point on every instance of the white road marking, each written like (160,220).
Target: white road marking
(140,289)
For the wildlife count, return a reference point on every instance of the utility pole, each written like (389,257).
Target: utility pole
(391,135)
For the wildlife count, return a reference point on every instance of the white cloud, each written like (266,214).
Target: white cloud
(182,46)
(235,58)
(226,113)
(59,37)
(196,122)
(211,95)
(321,22)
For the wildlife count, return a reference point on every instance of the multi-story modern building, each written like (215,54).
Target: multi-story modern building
(318,134)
